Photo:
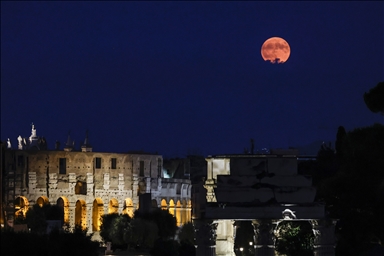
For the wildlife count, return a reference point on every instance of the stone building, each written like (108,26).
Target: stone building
(86,184)
(265,189)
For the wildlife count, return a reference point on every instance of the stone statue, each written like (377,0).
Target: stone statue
(33,134)
(288,215)
(9,143)
(33,130)
(42,143)
(20,140)
(25,142)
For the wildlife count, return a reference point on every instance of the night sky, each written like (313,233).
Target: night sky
(181,78)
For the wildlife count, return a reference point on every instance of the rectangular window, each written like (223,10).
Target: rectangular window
(141,168)
(113,163)
(62,166)
(178,189)
(98,163)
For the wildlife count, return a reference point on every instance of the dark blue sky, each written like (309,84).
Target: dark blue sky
(187,77)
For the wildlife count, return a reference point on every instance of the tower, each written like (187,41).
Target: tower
(86,147)
(69,146)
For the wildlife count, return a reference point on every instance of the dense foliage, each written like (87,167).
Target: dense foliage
(152,231)
(36,217)
(165,222)
(187,240)
(374,99)
(54,244)
(115,228)
(187,233)
(354,194)
(294,238)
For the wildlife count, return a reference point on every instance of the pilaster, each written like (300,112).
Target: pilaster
(90,184)
(72,213)
(72,183)
(106,181)
(135,188)
(121,182)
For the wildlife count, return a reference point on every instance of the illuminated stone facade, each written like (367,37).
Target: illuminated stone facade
(87,184)
(263,188)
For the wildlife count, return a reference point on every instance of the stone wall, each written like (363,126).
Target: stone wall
(111,182)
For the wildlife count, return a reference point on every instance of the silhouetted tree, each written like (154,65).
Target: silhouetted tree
(374,98)
(325,164)
(187,233)
(143,234)
(165,247)
(36,219)
(167,227)
(165,222)
(115,228)
(340,136)
(187,240)
(106,225)
(118,234)
(56,243)
(187,249)
(354,194)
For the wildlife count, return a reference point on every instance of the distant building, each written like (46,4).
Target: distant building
(86,184)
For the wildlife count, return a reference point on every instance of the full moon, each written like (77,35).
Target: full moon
(275,50)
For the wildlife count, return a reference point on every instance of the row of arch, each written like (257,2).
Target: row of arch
(181,210)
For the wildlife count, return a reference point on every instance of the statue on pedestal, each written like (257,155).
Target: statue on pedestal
(33,134)
(20,145)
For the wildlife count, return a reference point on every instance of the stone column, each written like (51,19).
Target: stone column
(121,182)
(72,183)
(205,231)
(90,185)
(225,237)
(324,230)
(89,207)
(264,245)
(106,181)
(135,187)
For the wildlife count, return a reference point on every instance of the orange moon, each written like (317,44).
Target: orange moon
(275,50)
